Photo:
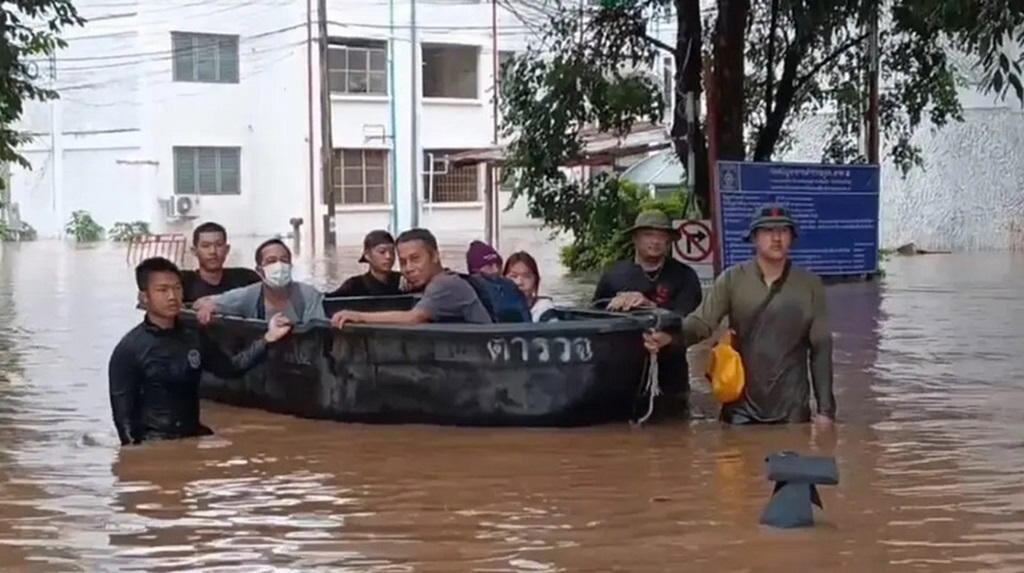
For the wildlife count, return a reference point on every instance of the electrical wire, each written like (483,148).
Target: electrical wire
(249,61)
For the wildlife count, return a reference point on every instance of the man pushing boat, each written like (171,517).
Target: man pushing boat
(154,371)
(780,320)
(653,279)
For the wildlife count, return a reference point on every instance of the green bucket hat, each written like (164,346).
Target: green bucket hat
(771,217)
(653,219)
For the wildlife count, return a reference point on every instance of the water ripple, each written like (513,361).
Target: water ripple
(927,369)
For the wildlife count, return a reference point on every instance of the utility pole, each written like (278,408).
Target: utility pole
(326,138)
(309,127)
(415,155)
(492,209)
(873,72)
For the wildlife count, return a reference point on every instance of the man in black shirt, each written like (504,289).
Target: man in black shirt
(654,279)
(211,248)
(379,279)
(154,371)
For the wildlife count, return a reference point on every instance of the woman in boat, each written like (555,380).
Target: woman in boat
(521,268)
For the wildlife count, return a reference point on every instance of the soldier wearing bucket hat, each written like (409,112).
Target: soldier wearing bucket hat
(771,217)
(779,318)
(379,279)
(654,279)
(653,219)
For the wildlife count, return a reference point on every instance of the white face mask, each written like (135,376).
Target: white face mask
(277,275)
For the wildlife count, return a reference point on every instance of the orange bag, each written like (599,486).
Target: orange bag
(725,371)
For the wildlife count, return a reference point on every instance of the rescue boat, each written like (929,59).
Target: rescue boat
(583,369)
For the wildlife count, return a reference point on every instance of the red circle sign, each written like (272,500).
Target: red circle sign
(694,244)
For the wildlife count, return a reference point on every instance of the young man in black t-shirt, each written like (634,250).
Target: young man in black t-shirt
(379,279)
(654,279)
(210,247)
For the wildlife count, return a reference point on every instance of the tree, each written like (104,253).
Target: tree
(31,31)
(775,62)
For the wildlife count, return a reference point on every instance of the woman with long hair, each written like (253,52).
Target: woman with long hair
(521,268)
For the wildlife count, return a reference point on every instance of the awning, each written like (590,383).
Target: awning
(599,148)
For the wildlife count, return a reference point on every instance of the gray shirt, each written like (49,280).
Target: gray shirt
(449,298)
(304,302)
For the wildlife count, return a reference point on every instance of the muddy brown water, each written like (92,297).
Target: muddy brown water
(930,448)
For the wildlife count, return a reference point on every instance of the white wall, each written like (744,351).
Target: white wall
(264,114)
(442,123)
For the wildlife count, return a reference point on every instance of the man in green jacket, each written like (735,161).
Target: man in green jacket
(780,338)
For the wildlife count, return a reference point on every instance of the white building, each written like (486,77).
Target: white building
(215,101)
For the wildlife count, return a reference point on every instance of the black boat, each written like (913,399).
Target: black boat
(583,369)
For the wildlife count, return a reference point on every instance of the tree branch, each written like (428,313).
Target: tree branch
(769,81)
(661,45)
(800,83)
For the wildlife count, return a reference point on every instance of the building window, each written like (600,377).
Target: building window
(360,177)
(205,58)
(451,71)
(444,182)
(358,67)
(207,170)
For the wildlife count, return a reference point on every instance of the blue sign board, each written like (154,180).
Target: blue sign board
(835,208)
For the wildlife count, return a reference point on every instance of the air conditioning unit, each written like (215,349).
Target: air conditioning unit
(181,207)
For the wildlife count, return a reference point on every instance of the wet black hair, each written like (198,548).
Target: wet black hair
(153,265)
(267,243)
(423,235)
(208,227)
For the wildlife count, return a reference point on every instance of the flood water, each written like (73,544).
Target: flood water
(930,446)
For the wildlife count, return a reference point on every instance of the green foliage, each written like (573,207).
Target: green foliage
(31,31)
(551,94)
(810,57)
(83,228)
(776,62)
(123,232)
(599,240)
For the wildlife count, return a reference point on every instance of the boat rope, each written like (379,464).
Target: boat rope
(652,389)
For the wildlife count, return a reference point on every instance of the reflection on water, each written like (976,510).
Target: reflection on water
(928,449)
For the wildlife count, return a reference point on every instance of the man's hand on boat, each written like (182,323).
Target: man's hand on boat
(655,340)
(626,301)
(342,316)
(277,328)
(204,309)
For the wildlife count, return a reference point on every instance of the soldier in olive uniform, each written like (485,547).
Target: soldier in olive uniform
(781,339)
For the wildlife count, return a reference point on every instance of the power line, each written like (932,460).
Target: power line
(155,73)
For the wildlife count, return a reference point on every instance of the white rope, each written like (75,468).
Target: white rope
(653,389)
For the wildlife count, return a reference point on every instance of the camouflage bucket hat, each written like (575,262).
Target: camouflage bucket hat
(653,219)
(771,217)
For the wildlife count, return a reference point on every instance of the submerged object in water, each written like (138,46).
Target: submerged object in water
(796,479)
(584,369)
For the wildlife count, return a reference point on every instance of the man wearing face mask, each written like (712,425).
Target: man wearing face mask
(277,293)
